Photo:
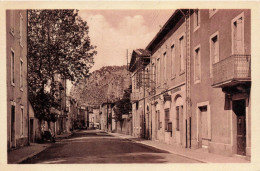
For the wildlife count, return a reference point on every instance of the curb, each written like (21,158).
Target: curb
(202,161)
(31,155)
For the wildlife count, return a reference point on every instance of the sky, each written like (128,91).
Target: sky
(115,31)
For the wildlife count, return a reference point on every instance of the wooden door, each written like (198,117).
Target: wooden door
(204,125)
(239,108)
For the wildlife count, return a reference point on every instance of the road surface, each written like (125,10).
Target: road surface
(95,146)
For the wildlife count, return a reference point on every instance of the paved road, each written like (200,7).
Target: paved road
(92,146)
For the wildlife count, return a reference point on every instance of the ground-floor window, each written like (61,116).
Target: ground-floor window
(167,119)
(158,116)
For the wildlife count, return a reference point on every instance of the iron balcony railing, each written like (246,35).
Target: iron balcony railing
(232,70)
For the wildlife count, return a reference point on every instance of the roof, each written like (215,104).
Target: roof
(167,27)
(136,55)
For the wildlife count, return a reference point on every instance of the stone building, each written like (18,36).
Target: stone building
(17,92)
(198,90)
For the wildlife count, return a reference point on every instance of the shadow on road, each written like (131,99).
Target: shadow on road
(99,147)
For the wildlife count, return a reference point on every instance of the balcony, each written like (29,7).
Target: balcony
(231,71)
(135,96)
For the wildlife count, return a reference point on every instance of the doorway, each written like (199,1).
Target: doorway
(31,131)
(203,130)
(12,126)
(239,108)
(157,122)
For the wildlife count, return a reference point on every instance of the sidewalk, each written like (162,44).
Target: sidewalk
(196,154)
(16,156)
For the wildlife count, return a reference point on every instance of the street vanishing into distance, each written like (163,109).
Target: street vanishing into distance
(96,146)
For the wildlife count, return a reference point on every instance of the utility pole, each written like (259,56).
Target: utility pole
(107,112)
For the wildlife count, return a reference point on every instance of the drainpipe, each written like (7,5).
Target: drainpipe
(27,80)
(187,121)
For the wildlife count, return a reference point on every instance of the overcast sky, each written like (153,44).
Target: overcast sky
(114,31)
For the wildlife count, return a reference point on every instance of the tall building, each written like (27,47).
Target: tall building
(17,93)
(221,81)
(199,81)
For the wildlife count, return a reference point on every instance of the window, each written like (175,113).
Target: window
(21,74)
(164,66)
(153,74)
(12,22)
(167,119)
(22,118)
(238,35)
(172,60)
(214,51)
(12,67)
(197,65)
(177,118)
(158,72)
(181,41)
(21,29)
(196,19)
(212,12)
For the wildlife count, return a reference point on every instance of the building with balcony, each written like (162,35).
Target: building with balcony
(140,77)
(16,74)
(198,89)
(221,81)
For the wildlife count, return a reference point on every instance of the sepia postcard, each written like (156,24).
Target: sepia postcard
(133,85)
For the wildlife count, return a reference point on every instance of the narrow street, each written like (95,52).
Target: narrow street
(95,146)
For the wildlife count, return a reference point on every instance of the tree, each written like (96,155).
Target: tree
(123,106)
(58,44)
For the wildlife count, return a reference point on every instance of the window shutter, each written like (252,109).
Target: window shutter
(239,36)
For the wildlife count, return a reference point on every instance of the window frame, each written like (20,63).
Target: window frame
(243,32)
(165,67)
(21,74)
(211,12)
(199,56)
(182,53)
(166,119)
(12,67)
(22,120)
(173,56)
(210,51)
(158,63)
(21,29)
(12,22)
(196,19)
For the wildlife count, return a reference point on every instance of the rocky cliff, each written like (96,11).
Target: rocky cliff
(107,83)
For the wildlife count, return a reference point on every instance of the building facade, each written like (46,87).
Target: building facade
(17,93)
(139,64)
(168,104)
(106,116)
(221,81)
(198,93)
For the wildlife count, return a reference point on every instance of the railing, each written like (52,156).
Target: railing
(135,96)
(235,68)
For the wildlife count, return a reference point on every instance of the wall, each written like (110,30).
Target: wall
(174,85)
(202,92)
(15,94)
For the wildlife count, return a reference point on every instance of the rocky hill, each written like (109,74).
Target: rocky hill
(109,82)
